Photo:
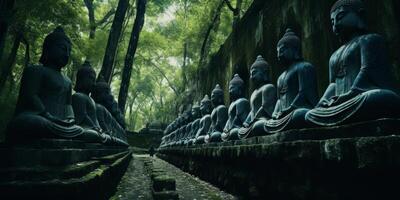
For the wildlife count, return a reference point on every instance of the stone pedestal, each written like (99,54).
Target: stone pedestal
(359,161)
(61,169)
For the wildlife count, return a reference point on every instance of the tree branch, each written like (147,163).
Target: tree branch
(106,17)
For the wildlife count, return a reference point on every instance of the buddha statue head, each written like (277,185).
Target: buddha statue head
(85,78)
(56,49)
(196,111)
(236,86)
(205,105)
(289,48)
(217,96)
(347,17)
(259,71)
(101,93)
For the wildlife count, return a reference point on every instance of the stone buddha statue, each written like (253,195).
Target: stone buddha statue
(102,95)
(44,107)
(219,115)
(187,118)
(107,122)
(238,110)
(361,85)
(297,87)
(194,125)
(262,100)
(205,121)
(83,105)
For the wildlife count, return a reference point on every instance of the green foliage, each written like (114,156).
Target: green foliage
(158,82)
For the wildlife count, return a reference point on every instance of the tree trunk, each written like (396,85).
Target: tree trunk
(27,54)
(92,21)
(112,43)
(208,32)
(7,68)
(6,7)
(130,54)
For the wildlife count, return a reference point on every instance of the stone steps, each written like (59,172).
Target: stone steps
(95,179)
(163,186)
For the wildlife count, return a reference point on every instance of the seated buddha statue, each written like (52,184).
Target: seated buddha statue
(297,87)
(205,121)
(361,85)
(219,115)
(107,122)
(194,125)
(83,105)
(238,110)
(262,100)
(44,107)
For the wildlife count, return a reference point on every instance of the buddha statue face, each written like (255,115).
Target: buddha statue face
(101,93)
(85,79)
(287,54)
(56,49)
(205,105)
(235,91)
(259,71)
(347,18)
(217,96)
(236,87)
(289,48)
(258,75)
(196,111)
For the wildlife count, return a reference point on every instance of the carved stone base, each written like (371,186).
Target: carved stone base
(61,169)
(358,161)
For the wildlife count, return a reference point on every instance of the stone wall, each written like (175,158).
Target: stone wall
(266,21)
(358,161)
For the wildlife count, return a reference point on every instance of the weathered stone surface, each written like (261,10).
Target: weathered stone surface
(359,161)
(76,181)
(165,195)
(163,182)
(48,152)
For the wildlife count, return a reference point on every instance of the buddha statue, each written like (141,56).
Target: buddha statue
(219,115)
(297,87)
(205,121)
(361,85)
(44,107)
(262,100)
(103,96)
(194,125)
(107,122)
(238,110)
(83,105)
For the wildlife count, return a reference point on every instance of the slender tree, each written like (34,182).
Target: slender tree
(6,7)
(93,24)
(112,43)
(130,54)
(7,68)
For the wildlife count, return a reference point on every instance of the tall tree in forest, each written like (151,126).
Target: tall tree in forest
(112,43)
(235,11)
(7,67)
(6,7)
(92,20)
(130,54)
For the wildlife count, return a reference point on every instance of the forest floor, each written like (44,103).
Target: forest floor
(135,184)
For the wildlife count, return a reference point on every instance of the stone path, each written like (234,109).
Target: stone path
(190,187)
(135,184)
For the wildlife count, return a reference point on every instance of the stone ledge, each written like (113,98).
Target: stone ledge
(327,163)
(101,176)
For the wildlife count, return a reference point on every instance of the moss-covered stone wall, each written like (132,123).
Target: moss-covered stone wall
(266,21)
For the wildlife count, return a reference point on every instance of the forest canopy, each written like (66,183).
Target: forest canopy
(176,40)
